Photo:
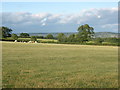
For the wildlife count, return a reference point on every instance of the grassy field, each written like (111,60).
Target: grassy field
(39,39)
(59,66)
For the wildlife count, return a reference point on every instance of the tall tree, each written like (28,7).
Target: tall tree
(5,32)
(85,32)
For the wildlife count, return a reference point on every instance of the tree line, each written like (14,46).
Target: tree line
(85,35)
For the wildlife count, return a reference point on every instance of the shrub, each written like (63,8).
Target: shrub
(98,41)
(14,36)
(7,39)
(33,38)
(23,40)
(49,36)
(24,35)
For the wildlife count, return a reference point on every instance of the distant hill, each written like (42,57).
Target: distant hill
(97,34)
(106,34)
(54,34)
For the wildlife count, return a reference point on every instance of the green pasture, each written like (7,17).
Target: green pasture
(39,39)
(39,65)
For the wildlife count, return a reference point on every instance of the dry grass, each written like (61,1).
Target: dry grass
(59,66)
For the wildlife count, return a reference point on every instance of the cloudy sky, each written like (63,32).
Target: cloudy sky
(59,16)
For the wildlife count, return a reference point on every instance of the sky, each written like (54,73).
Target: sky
(37,17)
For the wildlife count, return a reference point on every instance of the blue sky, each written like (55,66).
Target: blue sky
(59,16)
(56,7)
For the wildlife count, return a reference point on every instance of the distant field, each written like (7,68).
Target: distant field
(59,66)
(39,39)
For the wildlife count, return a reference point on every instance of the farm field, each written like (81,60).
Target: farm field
(39,65)
(39,39)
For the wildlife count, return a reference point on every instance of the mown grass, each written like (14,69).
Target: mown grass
(30,65)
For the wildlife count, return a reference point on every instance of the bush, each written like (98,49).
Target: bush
(98,41)
(90,43)
(41,37)
(109,43)
(49,36)
(7,39)
(23,40)
(14,36)
(47,42)
(33,38)
(24,35)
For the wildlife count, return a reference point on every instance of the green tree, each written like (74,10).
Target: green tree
(98,40)
(14,36)
(85,33)
(72,38)
(24,35)
(61,37)
(33,38)
(49,36)
(112,40)
(5,32)
(41,37)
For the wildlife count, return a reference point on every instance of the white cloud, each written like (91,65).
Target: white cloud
(113,27)
(44,20)
(109,25)
(43,24)
(101,19)
(99,16)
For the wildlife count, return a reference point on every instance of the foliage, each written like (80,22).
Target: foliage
(49,36)
(61,37)
(72,38)
(24,35)
(98,40)
(14,36)
(85,36)
(41,37)
(5,32)
(8,39)
(112,40)
(23,40)
(47,41)
(85,33)
(33,38)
